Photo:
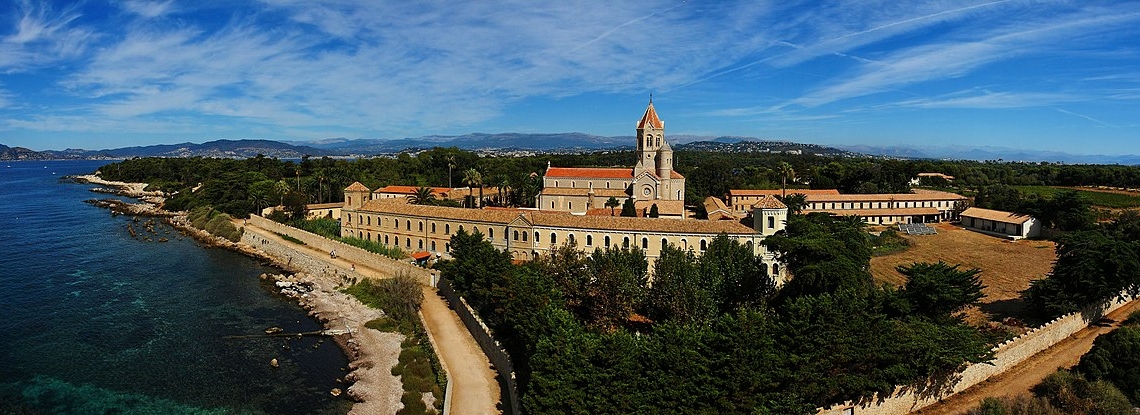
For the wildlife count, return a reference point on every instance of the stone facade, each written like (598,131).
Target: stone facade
(528,234)
(650,181)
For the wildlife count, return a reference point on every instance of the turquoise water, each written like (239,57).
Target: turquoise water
(93,321)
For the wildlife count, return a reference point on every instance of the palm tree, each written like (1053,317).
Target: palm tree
(786,172)
(612,203)
(422,196)
(472,178)
(450,165)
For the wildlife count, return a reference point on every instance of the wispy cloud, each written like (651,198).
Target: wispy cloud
(1064,111)
(986,99)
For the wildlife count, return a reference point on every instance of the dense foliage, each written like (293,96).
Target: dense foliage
(1092,265)
(215,222)
(712,334)
(1115,358)
(239,187)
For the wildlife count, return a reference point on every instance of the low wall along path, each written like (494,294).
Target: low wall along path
(472,383)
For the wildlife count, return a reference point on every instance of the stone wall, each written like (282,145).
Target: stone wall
(1006,356)
(345,251)
(491,347)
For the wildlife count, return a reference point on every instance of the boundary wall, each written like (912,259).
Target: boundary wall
(1006,355)
(345,251)
(494,351)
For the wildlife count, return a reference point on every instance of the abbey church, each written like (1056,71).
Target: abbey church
(651,181)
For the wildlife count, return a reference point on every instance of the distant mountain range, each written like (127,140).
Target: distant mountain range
(519,143)
(991,153)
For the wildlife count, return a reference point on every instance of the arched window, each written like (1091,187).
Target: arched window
(644,243)
(553,239)
(775,269)
(516,235)
(385,239)
(409,243)
(447,228)
(433,228)
(764,267)
(524,236)
(396,223)
(625,242)
(474,230)
(421,226)
(421,243)
(684,244)
(664,243)
(369,220)
(589,240)
(704,245)
(537,239)
(490,234)
(409,224)
(461,228)
(552,204)
(569,205)
(369,234)
(432,245)
(349,217)
(570,238)
(607,241)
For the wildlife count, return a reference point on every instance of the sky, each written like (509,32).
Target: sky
(1049,75)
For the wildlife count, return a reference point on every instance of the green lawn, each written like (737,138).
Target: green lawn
(1099,199)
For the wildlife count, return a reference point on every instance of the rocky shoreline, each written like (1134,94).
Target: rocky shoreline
(371,353)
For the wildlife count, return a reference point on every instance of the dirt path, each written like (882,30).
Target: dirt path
(474,387)
(1024,376)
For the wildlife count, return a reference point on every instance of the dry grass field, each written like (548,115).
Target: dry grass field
(1007,267)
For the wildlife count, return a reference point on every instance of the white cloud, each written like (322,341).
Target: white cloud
(149,9)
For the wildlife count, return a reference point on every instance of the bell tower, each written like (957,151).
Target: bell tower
(650,136)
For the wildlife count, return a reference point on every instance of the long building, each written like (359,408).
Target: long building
(529,234)
(922,206)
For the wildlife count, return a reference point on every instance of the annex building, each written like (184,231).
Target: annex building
(651,181)
(921,206)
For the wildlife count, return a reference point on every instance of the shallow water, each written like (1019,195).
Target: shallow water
(94,321)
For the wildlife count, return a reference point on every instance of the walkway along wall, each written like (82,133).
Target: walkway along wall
(490,346)
(345,251)
(1006,356)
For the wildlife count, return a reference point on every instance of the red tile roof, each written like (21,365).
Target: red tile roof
(770,202)
(590,172)
(995,215)
(774,192)
(356,187)
(650,118)
(409,190)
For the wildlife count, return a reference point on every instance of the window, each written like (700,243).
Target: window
(569,205)
(433,228)
(704,245)
(421,245)
(432,245)
(385,239)
(524,236)
(589,240)
(775,269)
(553,239)
(607,241)
(490,233)
(644,243)
(368,219)
(396,223)
(349,218)
(771,222)
(664,243)
(421,226)
(447,228)
(409,224)
(516,235)
(684,244)
(570,238)
(536,238)
(369,236)
(552,204)
(409,243)
(625,242)
(764,267)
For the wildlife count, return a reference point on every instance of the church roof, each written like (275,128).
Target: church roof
(356,187)
(650,118)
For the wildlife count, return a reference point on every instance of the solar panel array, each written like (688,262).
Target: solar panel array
(917,229)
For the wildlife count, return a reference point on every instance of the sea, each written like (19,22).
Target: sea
(94,320)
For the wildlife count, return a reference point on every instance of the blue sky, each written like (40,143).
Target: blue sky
(1054,75)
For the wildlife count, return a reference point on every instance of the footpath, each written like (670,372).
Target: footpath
(1019,379)
(474,388)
